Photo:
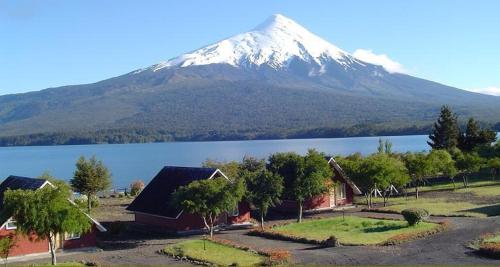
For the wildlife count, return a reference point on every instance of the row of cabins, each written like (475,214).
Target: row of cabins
(152,207)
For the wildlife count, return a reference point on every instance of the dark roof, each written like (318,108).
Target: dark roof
(341,172)
(18,182)
(156,196)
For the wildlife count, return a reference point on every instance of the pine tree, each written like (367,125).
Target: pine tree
(446,132)
(475,136)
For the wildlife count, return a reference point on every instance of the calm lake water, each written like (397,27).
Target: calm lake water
(128,162)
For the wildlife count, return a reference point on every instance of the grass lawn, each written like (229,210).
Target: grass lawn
(459,185)
(215,253)
(353,230)
(442,206)
(482,191)
(493,239)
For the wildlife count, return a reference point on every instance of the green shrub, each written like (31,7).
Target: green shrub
(82,202)
(332,241)
(414,216)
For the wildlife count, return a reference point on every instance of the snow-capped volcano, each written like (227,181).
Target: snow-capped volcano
(274,43)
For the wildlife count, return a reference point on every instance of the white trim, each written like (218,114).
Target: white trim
(354,187)
(217,171)
(76,236)
(160,216)
(47,183)
(10,220)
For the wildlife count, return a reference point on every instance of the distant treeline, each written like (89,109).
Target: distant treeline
(125,136)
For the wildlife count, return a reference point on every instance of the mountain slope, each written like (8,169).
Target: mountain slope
(276,80)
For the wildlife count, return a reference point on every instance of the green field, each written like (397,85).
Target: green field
(214,253)
(493,239)
(458,185)
(352,230)
(442,207)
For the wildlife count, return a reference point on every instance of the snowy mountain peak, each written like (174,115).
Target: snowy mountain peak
(275,43)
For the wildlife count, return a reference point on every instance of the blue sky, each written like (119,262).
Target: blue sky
(54,43)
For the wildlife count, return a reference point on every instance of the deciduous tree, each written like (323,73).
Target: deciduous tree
(209,199)
(304,177)
(46,213)
(264,190)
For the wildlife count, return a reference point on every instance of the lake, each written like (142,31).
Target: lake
(129,162)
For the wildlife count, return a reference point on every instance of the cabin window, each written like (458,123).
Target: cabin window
(11,225)
(340,191)
(71,236)
(235,212)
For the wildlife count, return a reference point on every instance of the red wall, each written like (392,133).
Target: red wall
(187,222)
(244,214)
(86,240)
(319,202)
(24,245)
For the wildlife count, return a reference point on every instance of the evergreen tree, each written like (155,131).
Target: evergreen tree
(91,177)
(475,136)
(446,132)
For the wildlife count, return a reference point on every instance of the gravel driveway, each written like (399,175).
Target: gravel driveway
(448,247)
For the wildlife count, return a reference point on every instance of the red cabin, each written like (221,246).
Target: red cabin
(30,245)
(152,206)
(341,195)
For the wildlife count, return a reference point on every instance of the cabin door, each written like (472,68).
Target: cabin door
(332,197)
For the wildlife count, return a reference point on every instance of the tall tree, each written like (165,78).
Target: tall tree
(446,131)
(209,199)
(384,171)
(494,165)
(314,182)
(45,212)
(468,163)
(441,162)
(90,177)
(304,177)
(418,167)
(475,136)
(264,190)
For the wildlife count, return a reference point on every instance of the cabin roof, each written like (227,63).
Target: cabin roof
(339,170)
(18,182)
(25,183)
(156,197)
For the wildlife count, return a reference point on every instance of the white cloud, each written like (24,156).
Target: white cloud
(491,90)
(381,59)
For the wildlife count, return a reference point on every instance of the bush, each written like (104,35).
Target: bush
(414,216)
(136,187)
(82,202)
(332,241)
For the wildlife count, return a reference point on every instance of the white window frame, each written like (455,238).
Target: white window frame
(235,212)
(11,221)
(71,236)
(342,191)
